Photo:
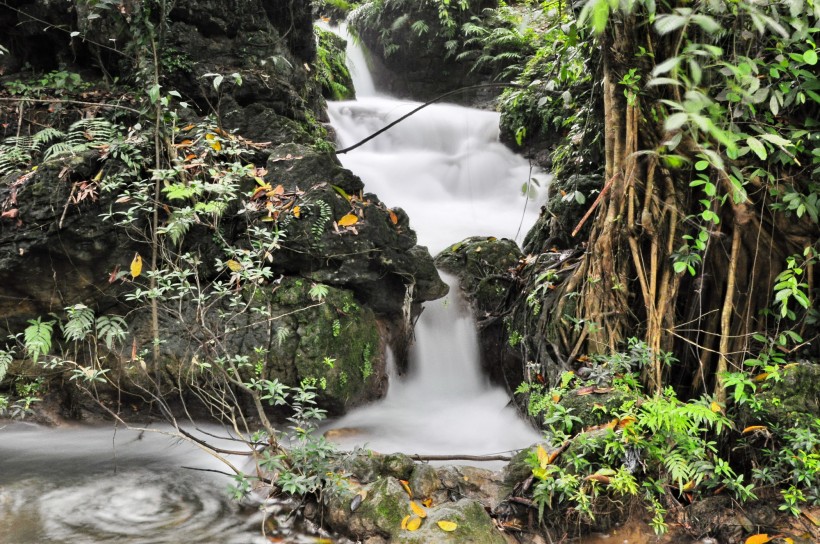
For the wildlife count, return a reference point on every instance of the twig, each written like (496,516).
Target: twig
(62,101)
(594,204)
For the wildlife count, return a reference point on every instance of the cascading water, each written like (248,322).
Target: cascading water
(446,168)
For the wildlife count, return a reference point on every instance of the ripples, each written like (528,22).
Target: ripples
(132,507)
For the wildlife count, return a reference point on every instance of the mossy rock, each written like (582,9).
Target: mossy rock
(595,408)
(482,265)
(795,400)
(334,341)
(473,525)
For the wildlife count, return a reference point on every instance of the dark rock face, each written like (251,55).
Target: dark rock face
(484,269)
(407,63)
(56,251)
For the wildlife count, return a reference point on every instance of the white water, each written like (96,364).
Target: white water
(446,168)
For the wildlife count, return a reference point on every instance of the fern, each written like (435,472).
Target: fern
(5,360)
(37,337)
(111,329)
(420,28)
(318,227)
(79,324)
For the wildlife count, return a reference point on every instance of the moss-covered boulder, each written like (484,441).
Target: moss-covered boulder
(332,71)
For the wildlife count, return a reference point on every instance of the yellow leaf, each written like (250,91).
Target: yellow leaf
(297,212)
(788,540)
(760,377)
(233,265)
(210,136)
(406,487)
(715,407)
(216,146)
(428,502)
(136,266)
(448,526)
(414,523)
(543,456)
(556,398)
(418,510)
(753,428)
(98,177)
(688,486)
(348,220)
(758,539)
(404,521)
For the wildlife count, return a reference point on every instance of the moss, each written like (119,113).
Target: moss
(329,343)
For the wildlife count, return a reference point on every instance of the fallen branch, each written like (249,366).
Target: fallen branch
(456,457)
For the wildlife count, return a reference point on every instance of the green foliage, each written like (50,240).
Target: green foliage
(37,338)
(331,68)
(57,82)
(650,446)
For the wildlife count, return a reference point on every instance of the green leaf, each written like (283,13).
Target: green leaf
(756,146)
(153,94)
(666,66)
(810,57)
(600,16)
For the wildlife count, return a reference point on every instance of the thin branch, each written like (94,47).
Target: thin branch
(65,101)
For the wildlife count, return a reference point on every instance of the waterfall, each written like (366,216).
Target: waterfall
(446,168)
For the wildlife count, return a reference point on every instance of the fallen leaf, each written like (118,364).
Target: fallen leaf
(233,265)
(341,192)
(414,523)
(758,539)
(406,487)
(112,277)
(448,526)
(297,212)
(404,521)
(348,220)
(624,422)
(760,377)
(418,510)
(393,217)
(428,502)
(753,428)
(585,391)
(136,266)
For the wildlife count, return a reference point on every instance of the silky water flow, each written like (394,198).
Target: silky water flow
(447,169)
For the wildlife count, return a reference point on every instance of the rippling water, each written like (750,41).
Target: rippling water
(89,485)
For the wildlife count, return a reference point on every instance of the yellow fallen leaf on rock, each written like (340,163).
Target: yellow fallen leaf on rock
(404,521)
(428,502)
(406,487)
(414,523)
(758,539)
(418,510)
(348,220)
(448,526)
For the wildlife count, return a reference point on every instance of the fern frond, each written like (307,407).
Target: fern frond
(111,329)
(79,324)
(5,361)
(37,337)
